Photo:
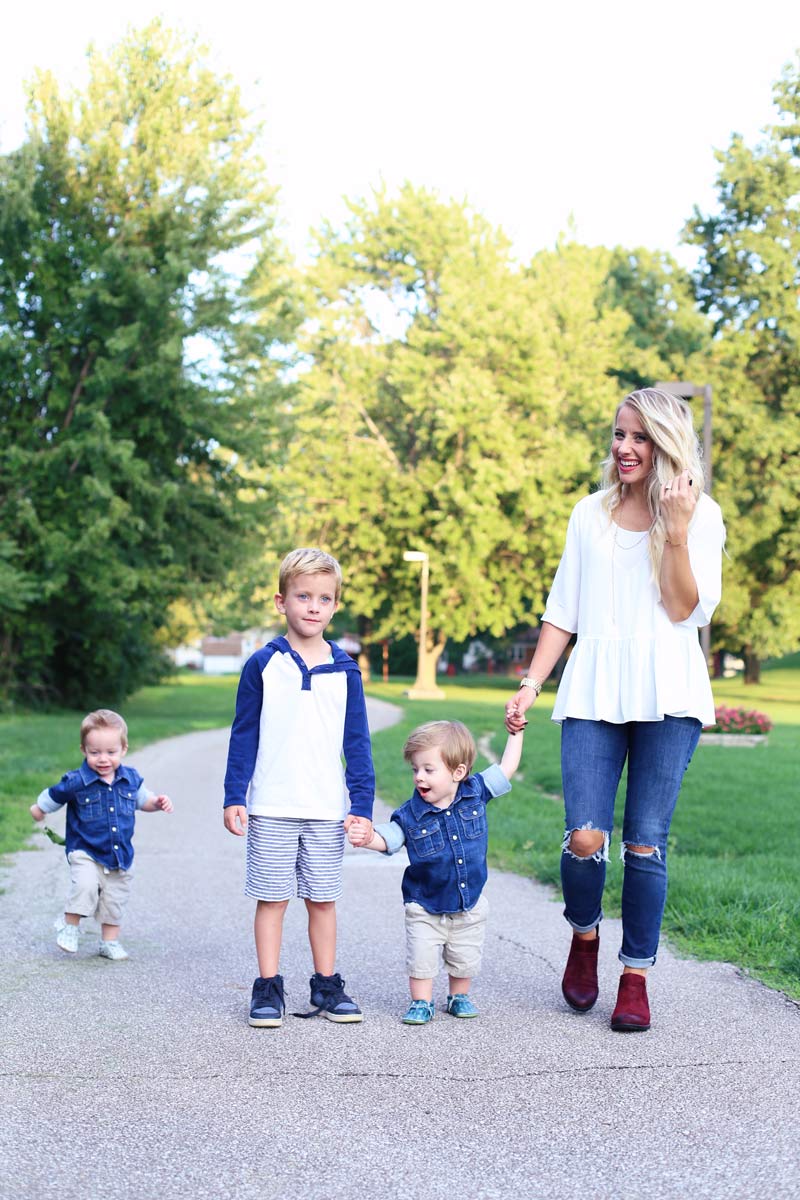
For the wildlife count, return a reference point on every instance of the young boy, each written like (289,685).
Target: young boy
(300,705)
(443,827)
(102,797)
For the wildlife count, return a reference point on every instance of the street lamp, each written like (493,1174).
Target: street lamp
(425,685)
(686,391)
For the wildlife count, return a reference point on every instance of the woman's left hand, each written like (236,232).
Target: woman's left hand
(678,503)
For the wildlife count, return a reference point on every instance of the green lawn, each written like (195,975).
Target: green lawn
(735,841)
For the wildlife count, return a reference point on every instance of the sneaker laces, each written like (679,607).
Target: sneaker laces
(268,991)
(332,989)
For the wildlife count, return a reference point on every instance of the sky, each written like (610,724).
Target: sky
(595,116)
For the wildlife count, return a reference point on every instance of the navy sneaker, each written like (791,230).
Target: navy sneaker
(330,1000)
(267,1006)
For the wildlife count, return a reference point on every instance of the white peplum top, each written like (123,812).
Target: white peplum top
(630,661)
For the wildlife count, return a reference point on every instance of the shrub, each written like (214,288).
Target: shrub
(739,720)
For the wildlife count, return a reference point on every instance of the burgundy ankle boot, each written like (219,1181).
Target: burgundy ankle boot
(579,984)
(632,1014)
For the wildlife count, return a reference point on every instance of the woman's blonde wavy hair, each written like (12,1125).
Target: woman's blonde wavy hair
(667,421)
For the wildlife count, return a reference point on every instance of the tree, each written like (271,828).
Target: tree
(453,402)
(748,280)
(123,455)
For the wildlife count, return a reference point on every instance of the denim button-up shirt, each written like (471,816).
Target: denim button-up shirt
(446,846)
(100,815)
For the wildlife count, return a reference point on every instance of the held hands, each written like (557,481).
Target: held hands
(516,709)
(678,503)
(358,830)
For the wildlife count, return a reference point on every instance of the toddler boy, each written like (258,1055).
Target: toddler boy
(102,798)
(443,828)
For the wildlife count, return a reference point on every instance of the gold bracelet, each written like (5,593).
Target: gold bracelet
(530,682)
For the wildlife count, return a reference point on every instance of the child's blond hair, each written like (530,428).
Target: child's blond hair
(308,561)
(104,718)
(453,740)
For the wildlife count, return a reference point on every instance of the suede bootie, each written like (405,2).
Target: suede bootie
(632,1014)
(579,984)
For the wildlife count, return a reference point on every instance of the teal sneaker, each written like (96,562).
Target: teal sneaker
(420,1012)
(460,1005)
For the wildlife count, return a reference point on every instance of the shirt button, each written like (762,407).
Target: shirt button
(424,831)
(116,847)
(455,837)
(463,885)
(460,861)
(474,812)
(111,808)
(113,829)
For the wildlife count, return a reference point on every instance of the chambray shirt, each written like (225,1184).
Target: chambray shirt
(100,815)
(446,847)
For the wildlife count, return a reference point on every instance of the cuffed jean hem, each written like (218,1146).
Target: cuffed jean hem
(641,964)
(586,928)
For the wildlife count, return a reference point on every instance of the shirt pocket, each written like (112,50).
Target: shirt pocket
(89,807)
(473,820)
(426,839)
(126,800)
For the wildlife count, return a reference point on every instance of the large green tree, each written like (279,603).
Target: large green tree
(128,412)
(453,403)
(748,280)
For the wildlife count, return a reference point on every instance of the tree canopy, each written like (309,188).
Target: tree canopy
(122,459)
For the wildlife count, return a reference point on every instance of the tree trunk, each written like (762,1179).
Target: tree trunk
(365,637)
(752,667)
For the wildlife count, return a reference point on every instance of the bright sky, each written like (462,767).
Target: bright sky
(537,112)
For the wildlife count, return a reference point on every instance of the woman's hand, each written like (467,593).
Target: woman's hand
(678,503)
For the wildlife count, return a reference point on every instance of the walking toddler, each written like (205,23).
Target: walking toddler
(443,828)
(102,798)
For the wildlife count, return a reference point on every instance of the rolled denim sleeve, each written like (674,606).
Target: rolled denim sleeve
(392,834)
(495,780)
(47,803)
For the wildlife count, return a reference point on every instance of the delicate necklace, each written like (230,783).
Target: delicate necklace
(614,545)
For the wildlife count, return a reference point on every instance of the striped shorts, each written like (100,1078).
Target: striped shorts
(290,855)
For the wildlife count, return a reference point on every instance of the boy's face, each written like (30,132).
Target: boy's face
(434,780)
(104,750)
(309,604)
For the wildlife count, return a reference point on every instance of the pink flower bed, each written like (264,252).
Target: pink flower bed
(739,720)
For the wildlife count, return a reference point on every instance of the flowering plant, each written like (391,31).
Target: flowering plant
(739,720)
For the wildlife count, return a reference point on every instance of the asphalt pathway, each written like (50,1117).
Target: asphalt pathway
(143,1079)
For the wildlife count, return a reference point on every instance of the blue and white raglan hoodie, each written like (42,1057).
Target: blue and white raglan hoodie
(292,726)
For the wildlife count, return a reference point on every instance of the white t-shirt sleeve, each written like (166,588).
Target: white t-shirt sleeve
(706,539)
(562,603)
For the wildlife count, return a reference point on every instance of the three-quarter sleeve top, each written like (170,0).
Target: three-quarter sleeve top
(630,661)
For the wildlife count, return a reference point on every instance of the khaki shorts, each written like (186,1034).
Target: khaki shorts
(452,939)
(96,891)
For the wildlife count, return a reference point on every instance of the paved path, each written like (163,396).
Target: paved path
(142,1079)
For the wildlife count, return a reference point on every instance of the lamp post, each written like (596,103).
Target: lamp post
(686,391)
(425,684)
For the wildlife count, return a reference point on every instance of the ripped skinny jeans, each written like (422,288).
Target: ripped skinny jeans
(593,754)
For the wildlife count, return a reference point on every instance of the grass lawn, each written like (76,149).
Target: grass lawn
(735,840)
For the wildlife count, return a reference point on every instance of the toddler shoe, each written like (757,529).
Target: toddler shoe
(420,1012)
(67,937)
(112,950)
(460,1005)
(331,1000)
(267,1004)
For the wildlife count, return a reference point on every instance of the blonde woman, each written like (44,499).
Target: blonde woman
(640,573)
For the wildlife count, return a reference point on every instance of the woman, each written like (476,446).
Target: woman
(641,571)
